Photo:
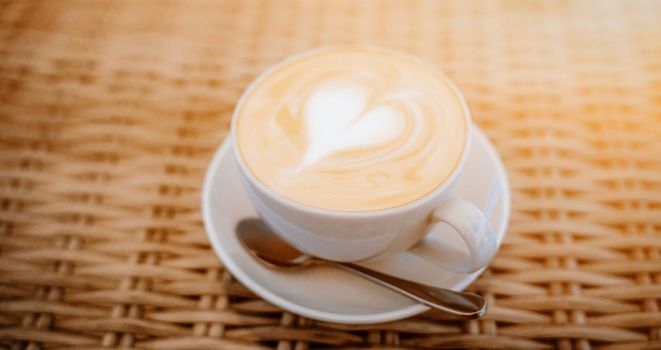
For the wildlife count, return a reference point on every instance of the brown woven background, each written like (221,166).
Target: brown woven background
(111,110)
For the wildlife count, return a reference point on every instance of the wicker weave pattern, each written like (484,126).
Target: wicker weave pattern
(111,110)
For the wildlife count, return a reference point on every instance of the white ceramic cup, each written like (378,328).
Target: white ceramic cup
(355,236)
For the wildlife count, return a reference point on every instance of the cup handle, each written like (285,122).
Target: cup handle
(473,227)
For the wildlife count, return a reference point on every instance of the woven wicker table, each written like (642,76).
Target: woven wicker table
(111,110)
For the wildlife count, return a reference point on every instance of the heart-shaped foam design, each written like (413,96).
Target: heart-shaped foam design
(352,129)
(337,121)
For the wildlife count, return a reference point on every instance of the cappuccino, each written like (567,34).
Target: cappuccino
(351,129)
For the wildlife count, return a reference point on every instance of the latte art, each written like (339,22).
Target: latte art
(351,129)
(334,121)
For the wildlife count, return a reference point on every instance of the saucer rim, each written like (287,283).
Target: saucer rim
(221,154)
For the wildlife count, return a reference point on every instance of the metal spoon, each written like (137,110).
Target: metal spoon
(271,250)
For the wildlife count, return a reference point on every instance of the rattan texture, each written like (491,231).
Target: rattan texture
(111,110)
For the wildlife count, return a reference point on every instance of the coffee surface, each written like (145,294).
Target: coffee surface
(351,129)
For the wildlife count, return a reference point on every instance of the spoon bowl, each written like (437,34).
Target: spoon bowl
(263,244)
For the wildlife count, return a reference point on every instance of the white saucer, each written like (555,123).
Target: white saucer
(334,295)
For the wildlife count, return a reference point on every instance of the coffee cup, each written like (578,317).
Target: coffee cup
(353,153)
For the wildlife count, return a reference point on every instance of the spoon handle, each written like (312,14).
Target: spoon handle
(456,303)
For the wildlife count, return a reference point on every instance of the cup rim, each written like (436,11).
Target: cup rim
(442,187)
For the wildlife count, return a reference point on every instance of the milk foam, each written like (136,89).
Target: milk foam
(337,120)
(351,129)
